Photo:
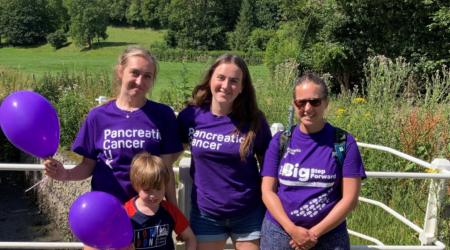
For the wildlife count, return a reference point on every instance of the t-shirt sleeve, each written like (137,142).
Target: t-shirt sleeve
(84,144)
(264,140)
(170,141)
(353,164)
(129,206)
(181,222)
(271,159)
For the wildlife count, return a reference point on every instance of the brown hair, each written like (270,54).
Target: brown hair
(314,79)
(148,172)
(244,106)
(122,64)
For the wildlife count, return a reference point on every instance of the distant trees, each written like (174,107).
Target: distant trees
(89,19)
(25,22)
(201,24)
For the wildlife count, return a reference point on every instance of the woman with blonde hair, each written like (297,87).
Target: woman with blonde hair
(124,126)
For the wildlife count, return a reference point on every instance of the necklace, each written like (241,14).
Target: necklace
(128,112)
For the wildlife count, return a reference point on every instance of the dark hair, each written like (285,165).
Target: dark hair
(312,78)
(244,106)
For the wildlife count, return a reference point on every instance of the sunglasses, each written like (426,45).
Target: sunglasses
(313,102)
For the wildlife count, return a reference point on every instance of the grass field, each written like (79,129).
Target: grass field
(43,59)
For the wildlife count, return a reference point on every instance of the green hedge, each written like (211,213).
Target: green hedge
(176,55)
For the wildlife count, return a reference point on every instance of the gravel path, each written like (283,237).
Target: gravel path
(20,220)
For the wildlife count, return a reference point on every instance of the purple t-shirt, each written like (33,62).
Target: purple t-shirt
(223,185)
(112,139)
(309,177)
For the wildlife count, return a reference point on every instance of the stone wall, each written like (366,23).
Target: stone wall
(54,198)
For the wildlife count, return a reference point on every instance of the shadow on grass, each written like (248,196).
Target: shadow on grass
(64,45)
(101,45)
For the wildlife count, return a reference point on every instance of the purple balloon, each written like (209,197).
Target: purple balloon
(100,220)
(30,122)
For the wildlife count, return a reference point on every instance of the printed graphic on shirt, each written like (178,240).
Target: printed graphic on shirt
(291,151)
(203,139)
(115,140)
(304,176)
(151,237)
(312,208)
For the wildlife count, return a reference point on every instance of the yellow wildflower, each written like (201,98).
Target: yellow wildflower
(341,111)
(359,100)
(338,117)
(356,138)
(435,170)
(367,115)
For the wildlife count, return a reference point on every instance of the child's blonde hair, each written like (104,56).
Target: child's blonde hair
(148,172)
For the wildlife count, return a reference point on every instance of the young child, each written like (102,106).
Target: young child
(153,218)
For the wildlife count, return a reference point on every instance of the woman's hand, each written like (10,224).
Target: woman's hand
(54,169)
(302,238)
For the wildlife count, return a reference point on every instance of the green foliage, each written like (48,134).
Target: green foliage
(25,22)
(268,14)
(118,10)
(177,94)
(57,39)
(238,39)
(259,39)
(58,15)
(413,29)
(89,20)
(201,25)
(178,55)
(73,96)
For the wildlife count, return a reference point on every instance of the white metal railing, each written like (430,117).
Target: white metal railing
(426,234)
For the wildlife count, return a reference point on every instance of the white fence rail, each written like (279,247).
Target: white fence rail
(426,234)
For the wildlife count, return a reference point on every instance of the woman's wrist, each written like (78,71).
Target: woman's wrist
(68,176)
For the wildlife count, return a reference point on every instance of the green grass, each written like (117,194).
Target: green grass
(43,59)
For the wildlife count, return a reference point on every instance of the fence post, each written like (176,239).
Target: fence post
(101,99)
(276,127)
(184,194)
(436,198)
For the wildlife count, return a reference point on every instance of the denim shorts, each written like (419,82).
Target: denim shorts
(209,228)
(275,238)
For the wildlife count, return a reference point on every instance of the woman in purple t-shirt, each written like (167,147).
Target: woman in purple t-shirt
(228,135)
(308,196)
(114,132)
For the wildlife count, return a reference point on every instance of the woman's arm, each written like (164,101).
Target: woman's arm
(177,155)
(301,236)
(55,169)
(350,193)
(170,190)
(189,239)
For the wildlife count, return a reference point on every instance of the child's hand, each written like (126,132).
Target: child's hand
(180,238)
(54,169)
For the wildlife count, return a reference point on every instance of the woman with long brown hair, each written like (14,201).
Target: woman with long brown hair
(228,135)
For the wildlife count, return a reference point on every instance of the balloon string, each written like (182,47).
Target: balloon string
(41,182)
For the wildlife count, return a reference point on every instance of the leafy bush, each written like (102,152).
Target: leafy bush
(57,39)
(178,55)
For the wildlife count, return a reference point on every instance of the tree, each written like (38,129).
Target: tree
(25,22)
(118,9)
(239,38)
(57,15)
(201,24)
(268,14)
(89,20)
(412,29)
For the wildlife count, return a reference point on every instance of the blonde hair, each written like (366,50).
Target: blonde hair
(122,63)
(148,172)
